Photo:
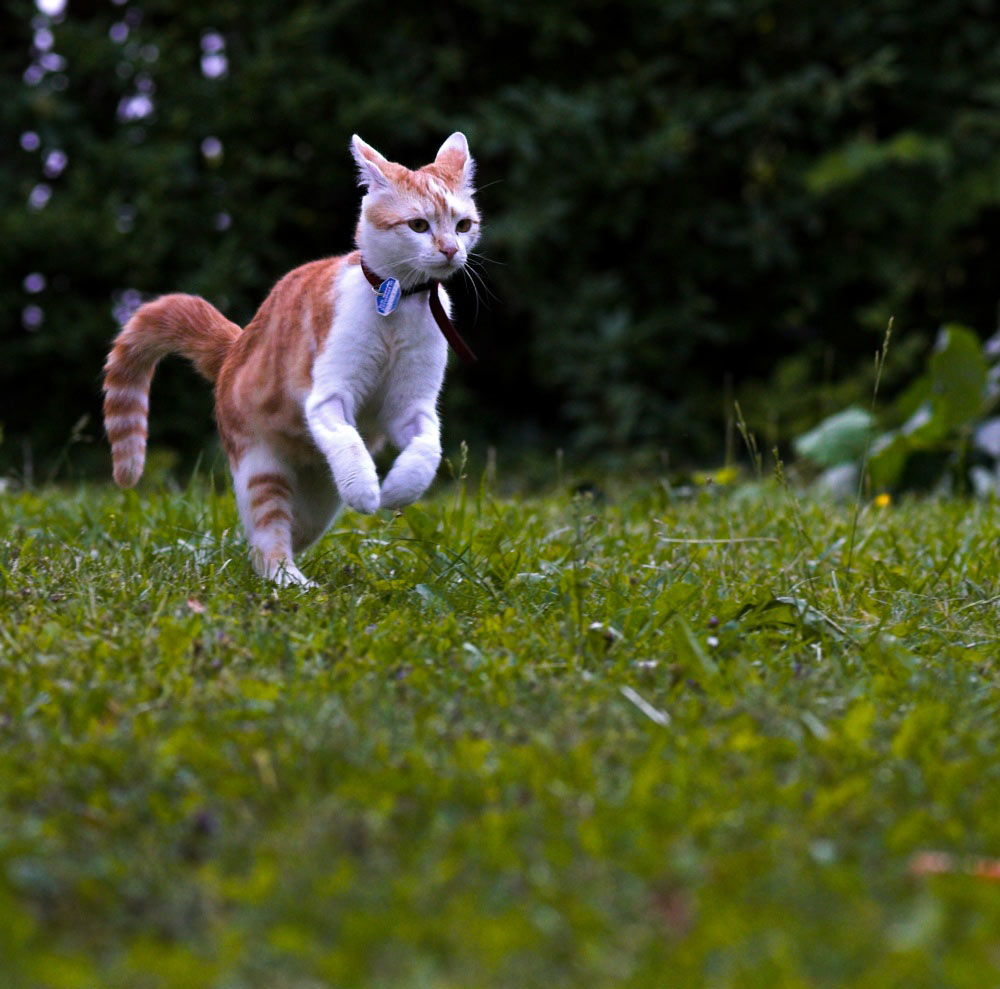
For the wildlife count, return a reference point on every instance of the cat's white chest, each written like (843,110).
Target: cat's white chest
(372,361)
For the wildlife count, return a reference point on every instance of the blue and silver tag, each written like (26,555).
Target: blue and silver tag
(387,297)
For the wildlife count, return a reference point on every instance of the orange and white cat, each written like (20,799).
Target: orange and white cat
(319,377)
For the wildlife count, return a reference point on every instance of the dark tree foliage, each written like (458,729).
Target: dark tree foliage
(679,194)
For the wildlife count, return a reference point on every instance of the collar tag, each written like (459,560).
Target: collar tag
(387,297)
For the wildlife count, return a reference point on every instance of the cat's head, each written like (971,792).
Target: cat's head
(417,225)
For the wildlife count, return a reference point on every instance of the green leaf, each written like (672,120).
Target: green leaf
(785,611)
(689,650)
(838,439)
(925,428)
(857,158)
(888,458)
(951,395)
(421,524)
(958,376)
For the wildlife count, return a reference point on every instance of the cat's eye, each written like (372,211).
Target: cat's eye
(419,225)
(464,226)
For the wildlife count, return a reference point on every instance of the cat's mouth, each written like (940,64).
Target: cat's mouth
(444,270)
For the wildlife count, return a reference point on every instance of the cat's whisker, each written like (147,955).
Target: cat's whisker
(416,257)
(478,279)
(470,269)
(479,188)
(479,287)
(482,257)
(475,290)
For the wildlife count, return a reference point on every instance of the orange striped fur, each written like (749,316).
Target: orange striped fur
(183,324)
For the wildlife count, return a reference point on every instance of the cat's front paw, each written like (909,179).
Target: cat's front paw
(361,494)
(354,472)
(412,473)
(398,493)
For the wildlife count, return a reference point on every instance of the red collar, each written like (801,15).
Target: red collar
(445,325)
(376,282)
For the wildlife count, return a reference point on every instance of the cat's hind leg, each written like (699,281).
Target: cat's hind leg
(315,503)
(265,496)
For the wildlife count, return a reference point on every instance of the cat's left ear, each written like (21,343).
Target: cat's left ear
(454,155)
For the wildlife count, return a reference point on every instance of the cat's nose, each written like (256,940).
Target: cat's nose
(448,248)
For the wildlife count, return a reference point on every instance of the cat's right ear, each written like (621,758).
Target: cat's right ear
(370,165)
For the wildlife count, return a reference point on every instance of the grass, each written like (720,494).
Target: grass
(633,740)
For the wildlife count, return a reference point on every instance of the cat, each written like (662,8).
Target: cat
(319,377)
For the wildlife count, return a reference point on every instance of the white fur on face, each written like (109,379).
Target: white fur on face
(414,256)
(396,196)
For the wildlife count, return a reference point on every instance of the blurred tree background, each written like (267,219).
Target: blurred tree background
(687,201)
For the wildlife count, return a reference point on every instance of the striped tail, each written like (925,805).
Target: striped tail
(173,324)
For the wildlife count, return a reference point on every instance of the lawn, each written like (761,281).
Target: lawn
(635,737)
